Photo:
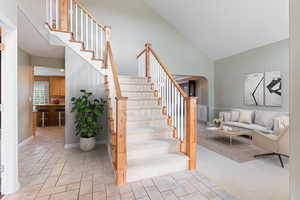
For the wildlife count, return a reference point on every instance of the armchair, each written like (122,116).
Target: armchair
(277,144)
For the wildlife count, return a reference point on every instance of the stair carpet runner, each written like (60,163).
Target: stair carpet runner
(151,149)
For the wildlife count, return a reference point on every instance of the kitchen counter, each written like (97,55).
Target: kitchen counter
(50,105)
(51,116)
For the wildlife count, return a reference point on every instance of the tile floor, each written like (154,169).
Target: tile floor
(50,172)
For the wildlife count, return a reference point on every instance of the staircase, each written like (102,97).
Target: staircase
(152,129)
(151,148)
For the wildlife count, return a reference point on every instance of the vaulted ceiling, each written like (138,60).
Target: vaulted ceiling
(221,28)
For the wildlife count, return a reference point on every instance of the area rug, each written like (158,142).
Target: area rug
(242,150)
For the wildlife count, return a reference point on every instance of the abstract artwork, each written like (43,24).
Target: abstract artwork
(273,92)
(254,89)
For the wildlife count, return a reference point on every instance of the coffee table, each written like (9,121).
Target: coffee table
(230,132)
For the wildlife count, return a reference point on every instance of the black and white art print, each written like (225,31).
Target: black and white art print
(254,89)
(273,88)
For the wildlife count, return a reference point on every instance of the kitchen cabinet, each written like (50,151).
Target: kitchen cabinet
(57,86)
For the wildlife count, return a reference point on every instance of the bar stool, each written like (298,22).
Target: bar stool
(44,116)
(60,117)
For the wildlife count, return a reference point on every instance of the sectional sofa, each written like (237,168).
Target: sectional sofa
(257,120)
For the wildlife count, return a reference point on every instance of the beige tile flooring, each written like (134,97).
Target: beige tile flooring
(50,172)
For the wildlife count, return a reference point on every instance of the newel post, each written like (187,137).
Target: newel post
(121,150)
(64,15)
(191,131)
(148,66)
(107,30)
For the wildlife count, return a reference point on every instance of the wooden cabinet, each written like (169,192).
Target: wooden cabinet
(57,86)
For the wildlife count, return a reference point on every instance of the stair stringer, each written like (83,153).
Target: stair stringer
(59,38)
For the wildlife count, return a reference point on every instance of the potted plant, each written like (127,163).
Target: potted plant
(88,110)
(217,122)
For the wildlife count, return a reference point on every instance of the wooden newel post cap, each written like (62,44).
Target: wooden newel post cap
(107,27)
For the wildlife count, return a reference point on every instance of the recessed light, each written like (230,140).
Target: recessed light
(62,70)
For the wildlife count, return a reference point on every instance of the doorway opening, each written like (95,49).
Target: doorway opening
(197,86)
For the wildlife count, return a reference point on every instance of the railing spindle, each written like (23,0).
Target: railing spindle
(71,15)
(76,23)
(56,14)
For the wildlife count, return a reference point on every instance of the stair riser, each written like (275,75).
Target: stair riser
(150,152)
(149,123)
(145,112)
(135,139)
(138,94)
(132,80)
(136,88)
(142,103)
(137,81)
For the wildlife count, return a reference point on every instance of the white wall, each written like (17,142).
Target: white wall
(25,88)
(48,62)
(230,75)
(48,71)
(79,75)
(8,10)
(134,23)
(202,91)
(9,135)
(294,99)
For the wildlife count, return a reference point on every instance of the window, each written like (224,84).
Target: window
(41,92)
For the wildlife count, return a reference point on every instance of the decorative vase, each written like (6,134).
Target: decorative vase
(87,144)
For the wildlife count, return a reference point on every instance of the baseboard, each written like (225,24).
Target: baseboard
(26,141)
(70,146)
(76,145)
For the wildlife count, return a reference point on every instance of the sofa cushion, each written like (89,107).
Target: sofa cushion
(246,116)
(249,126)
(266,118)
(235,116)
(227,116)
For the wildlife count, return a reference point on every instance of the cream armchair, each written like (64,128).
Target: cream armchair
(277,144)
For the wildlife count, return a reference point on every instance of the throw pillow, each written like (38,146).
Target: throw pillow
(221,116)
(246,116)
(265,118)
(227,116)
(235,116)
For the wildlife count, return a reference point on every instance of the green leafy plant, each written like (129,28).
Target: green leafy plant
(88,111)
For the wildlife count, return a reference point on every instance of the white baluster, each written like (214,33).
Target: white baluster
(81,24)
(181,117)
(71,15)
(97,44)
(175,111)
(178,113)
(87,31)
(165,88)
(76,22)
(56,14)
(101,43)
(92,36)
(47,11)
(168,96)
(173,101)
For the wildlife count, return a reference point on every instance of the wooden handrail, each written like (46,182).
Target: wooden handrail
(165,68)
(139,55)
(89,14)
(113,69)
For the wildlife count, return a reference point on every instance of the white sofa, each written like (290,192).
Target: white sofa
(262,121)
